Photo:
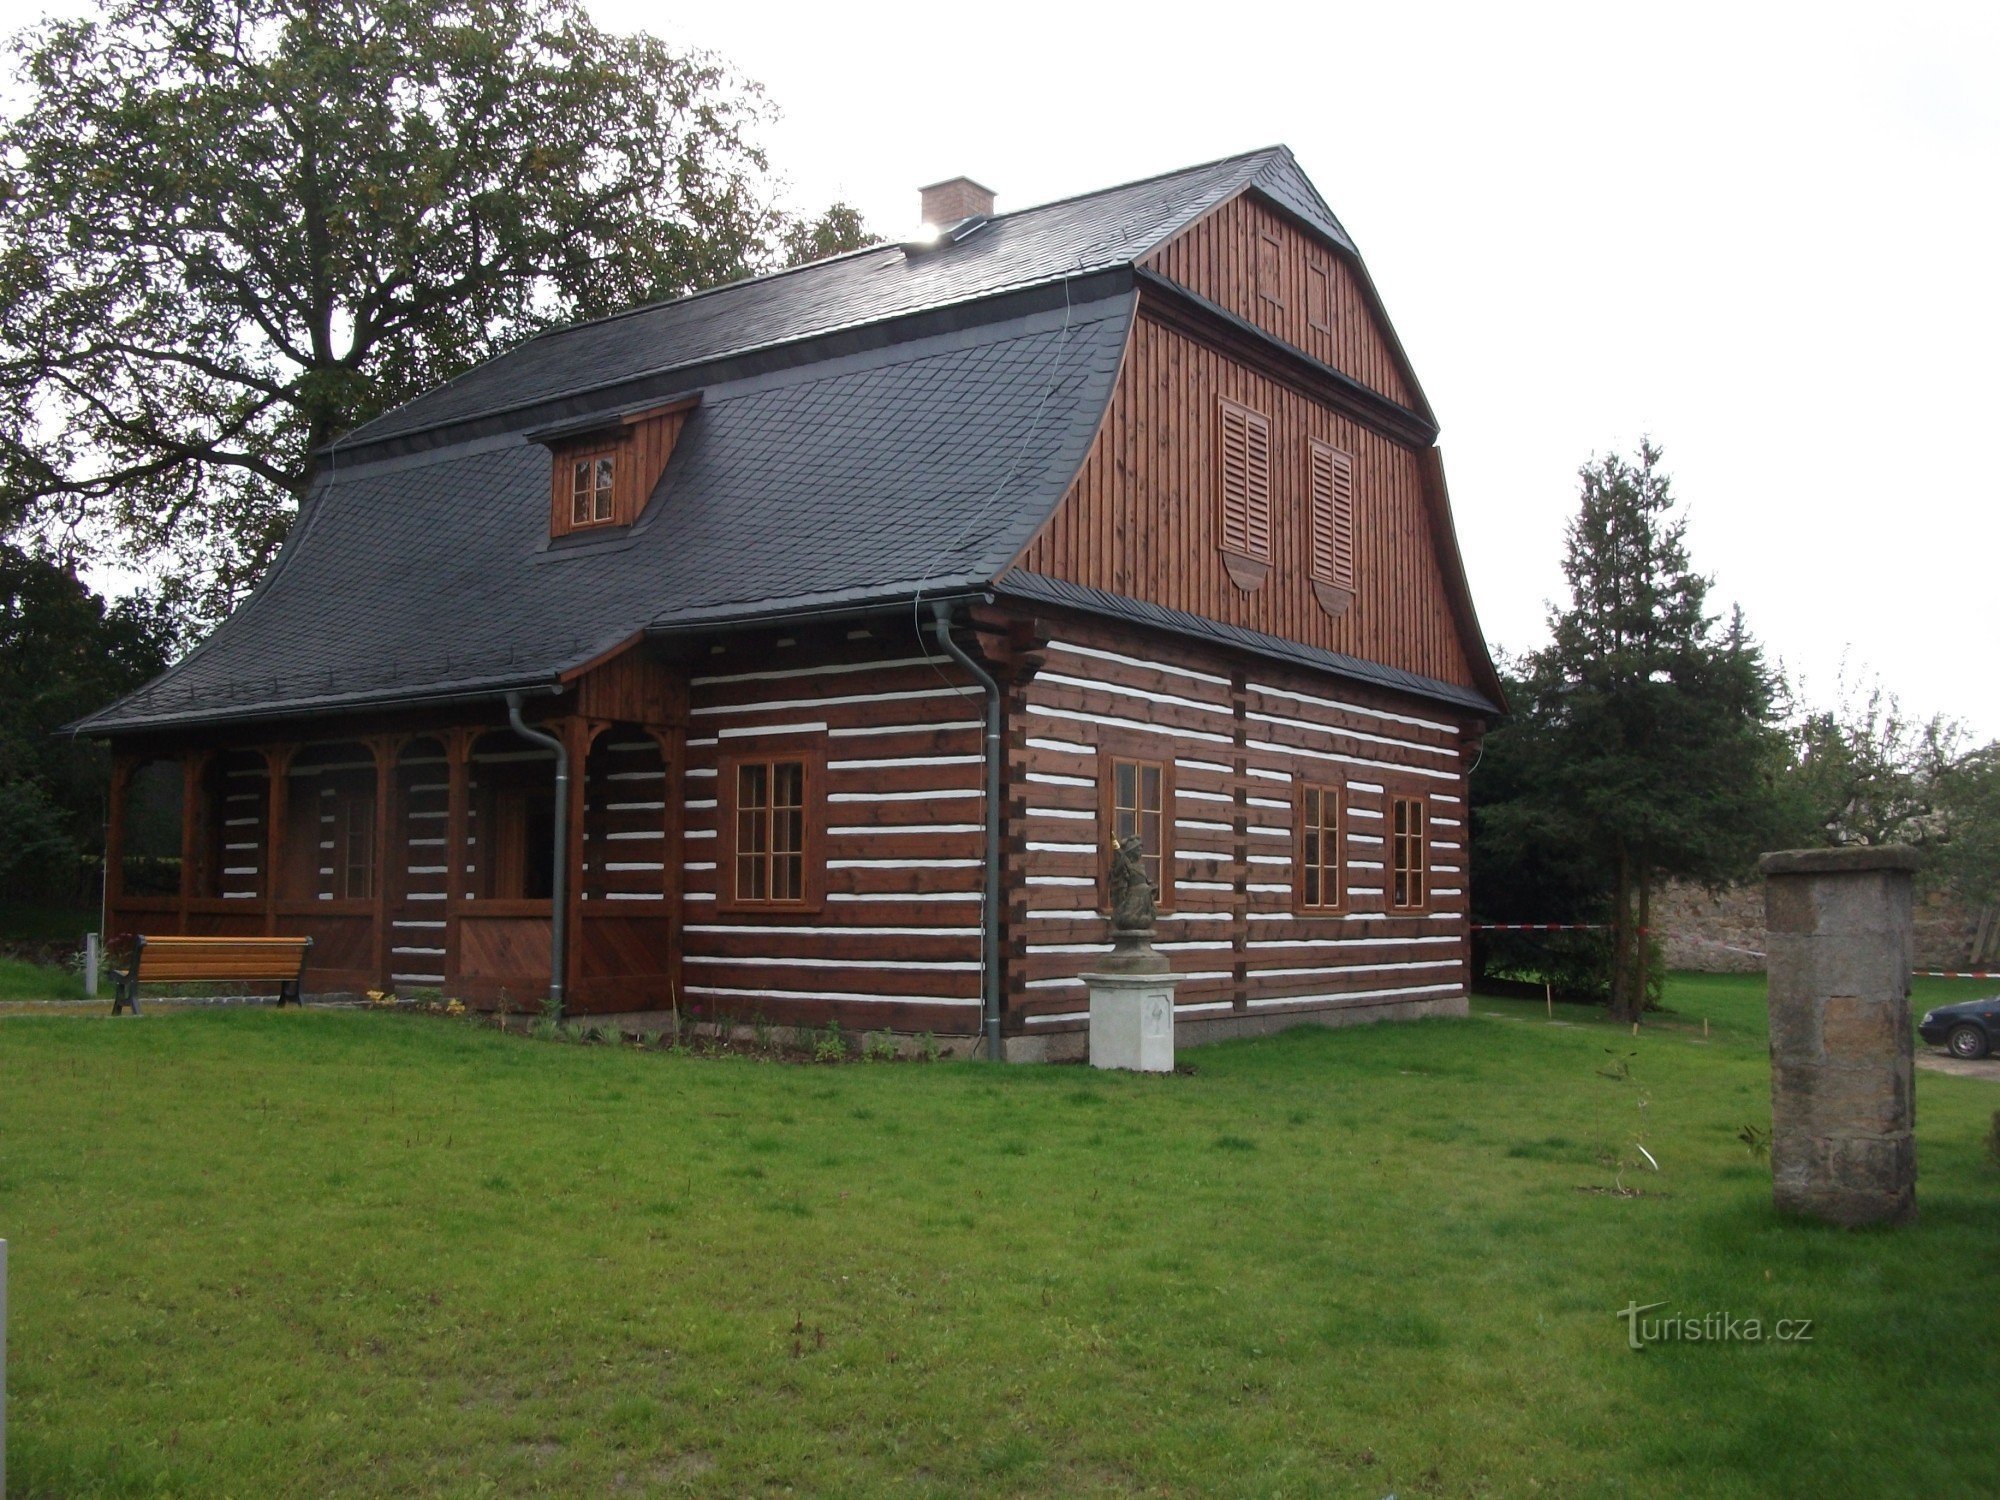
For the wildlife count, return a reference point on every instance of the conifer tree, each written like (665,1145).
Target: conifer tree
(1650,722)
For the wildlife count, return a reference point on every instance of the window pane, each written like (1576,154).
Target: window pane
(1312,880)
(1150,783)
(579,494)
(1127,784)
(604,489)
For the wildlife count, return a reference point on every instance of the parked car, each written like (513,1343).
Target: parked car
(1968,1029)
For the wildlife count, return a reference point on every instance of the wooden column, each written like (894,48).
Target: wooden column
(385,749)
(277,766)
(577,734)
(457,755)
(194,827)
(122,766)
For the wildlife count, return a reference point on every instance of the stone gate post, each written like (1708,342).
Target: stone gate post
(1843,1103)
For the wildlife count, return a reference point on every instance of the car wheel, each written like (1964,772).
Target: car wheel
(1967,1042)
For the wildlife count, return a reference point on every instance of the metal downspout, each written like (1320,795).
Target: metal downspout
(990,968)
(559,886)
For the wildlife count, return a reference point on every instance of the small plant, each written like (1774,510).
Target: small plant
(607,1034)
(1757,1140)
(649,1040)
(830,1045)
(879,1046)
(454,1007)
(763,1033)
(927,1047)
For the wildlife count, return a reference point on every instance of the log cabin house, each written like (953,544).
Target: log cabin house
(797,649)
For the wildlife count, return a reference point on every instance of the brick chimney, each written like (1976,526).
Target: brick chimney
(955,199)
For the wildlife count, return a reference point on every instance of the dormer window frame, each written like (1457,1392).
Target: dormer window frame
(636,444)
(593,488)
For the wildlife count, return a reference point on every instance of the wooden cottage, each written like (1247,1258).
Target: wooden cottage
(796,650)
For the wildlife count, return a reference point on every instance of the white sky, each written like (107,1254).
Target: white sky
(1764,234)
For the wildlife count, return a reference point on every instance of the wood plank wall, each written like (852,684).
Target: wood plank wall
(1141,517)
(1242,740)
(896,943)
(1229,258)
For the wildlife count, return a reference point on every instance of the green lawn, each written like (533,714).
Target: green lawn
(260,1252)
(21,980)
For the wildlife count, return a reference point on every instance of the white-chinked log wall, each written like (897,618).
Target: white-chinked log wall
(1241,742)
(896,941)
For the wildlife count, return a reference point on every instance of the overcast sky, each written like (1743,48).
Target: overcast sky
(1764,235)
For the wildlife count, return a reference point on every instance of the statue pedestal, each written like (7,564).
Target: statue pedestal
(1132,1021)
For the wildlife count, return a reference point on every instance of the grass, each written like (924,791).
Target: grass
(261,1252)
(21,980)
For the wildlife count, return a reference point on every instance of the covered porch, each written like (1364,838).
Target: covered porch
(418,856)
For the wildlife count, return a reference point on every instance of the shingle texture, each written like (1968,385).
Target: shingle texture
(922,466)
(1104,229)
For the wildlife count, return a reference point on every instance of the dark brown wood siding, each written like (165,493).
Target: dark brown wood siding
(1243,738)
(893,940)
(1142,518)
(1253,261)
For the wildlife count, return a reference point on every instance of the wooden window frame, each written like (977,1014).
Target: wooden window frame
(347,801)
(1269,241)
(1139,751)
(1398,844)
(1336,794)
(1330,552)
(809,751)
(1318,274)
(1242,483)
(599,493)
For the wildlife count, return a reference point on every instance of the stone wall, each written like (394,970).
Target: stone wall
(1724,933)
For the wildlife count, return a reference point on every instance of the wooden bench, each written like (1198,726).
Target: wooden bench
(212,960)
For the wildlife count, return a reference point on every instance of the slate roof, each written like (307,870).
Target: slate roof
(1114,227)
(922,466)
(871,427)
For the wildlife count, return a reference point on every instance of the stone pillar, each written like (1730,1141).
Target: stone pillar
(1843,1104)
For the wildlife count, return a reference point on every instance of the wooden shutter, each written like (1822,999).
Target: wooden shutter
(1244,485)
(1332,527)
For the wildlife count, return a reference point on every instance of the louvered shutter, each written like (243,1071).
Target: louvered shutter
(1333,516)
(1245,481)
(1235,486)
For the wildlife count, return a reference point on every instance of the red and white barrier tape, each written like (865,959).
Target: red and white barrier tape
(1957,973)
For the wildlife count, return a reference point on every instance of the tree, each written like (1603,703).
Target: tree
(232,229)
(1968,799)
(63,652)
(1868,772)
(1647,725)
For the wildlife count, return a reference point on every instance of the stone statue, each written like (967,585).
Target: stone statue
(1132,907)
(1132,913)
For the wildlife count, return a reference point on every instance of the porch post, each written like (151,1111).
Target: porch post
(385,748)
(194,828)
(277,767)
(457,754)
(122,767)
(577,734)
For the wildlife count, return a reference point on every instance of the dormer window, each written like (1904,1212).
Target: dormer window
(604,472)
(591,488)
